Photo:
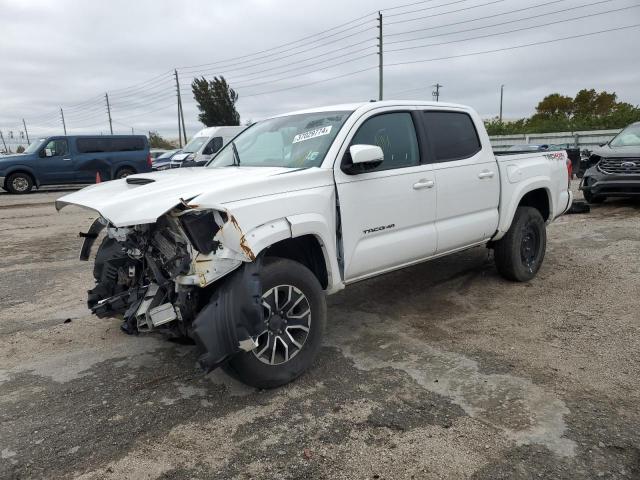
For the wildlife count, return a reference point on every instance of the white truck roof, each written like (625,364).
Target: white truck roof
(365,106)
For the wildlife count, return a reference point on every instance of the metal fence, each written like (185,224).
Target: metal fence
(584,139)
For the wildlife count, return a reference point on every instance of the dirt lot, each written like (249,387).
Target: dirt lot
(443,370)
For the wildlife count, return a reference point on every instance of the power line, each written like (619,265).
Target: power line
(513,47)
(500,24)
(425,8)
(314,69)
(505,32)
(288,52)
(476,19)
(445,13)
(312,83)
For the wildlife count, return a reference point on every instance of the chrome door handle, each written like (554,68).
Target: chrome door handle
(423,183)
(66,159)
(485,174)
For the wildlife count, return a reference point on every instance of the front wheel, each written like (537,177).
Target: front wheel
(519,254)
(19,183)
(295,314)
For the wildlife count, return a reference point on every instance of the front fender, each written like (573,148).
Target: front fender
(22,168)
(247,245)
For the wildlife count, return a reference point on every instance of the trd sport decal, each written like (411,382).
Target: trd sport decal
(377,229)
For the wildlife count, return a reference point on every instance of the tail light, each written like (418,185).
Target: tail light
(149,161)
(569,170)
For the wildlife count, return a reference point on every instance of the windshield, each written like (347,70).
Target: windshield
(167,155)
(629,137)
(35,146)
(195,144)
(294,141)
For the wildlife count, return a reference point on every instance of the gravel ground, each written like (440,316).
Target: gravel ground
(443,370)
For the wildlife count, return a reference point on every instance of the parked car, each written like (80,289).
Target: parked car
(240,254)
(204,145)
(163,162)
(156,152)
(62,160)
(614,167)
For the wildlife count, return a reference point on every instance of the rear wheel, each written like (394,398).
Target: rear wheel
(124,172)
(294,319)
(519,254)
(19,183)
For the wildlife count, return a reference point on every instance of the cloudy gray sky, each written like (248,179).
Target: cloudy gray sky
(68,53)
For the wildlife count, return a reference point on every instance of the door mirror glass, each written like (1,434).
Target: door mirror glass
(366,154)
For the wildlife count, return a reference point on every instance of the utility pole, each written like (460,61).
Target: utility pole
(25,130)
(501,95)
(64,125)
(106,96)
(132,132)
(180,112)
(436,92)
(3,142)
(380,58)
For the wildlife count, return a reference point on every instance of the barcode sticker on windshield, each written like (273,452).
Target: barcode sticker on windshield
(318,132)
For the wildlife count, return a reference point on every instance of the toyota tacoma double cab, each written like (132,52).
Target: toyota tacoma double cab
(240,255)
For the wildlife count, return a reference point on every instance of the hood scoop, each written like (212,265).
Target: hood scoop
(139,181)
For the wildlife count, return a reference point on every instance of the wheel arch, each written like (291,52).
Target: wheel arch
(21,169)
(533,194)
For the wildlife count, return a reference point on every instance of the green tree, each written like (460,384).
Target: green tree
(216,101)
(588,110)
(156,141)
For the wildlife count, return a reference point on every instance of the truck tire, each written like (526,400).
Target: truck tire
(519,254)
(124,172)
(19,183)
(295,317)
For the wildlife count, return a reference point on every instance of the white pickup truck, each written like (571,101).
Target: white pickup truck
(239,255)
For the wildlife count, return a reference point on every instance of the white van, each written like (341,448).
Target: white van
(205,144)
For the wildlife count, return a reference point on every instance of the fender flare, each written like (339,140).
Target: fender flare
(520,190)
(246,246)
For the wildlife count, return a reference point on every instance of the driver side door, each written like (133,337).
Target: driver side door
(56,163)
(387,212)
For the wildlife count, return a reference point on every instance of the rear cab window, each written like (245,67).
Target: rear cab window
(452,135)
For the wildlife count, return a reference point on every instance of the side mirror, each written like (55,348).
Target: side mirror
(366,154)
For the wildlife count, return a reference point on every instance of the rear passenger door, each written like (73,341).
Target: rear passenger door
(387,212)
(467,180)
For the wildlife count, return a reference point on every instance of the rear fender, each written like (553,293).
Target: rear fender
(514,197)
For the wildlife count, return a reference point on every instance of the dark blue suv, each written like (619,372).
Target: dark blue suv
(74,159)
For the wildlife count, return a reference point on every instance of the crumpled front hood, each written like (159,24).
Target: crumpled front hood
(133,201)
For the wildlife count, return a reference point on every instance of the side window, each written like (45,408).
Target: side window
(91,145)
(56,148)
(452,135)
(213,146)
(395,134)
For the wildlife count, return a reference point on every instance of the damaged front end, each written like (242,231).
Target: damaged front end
(178,276)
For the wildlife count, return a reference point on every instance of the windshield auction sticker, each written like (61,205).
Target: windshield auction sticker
(318,132)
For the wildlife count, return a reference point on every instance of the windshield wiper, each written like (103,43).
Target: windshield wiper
(236,155)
